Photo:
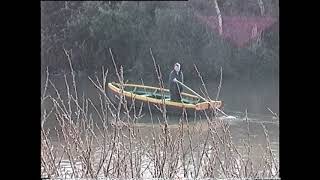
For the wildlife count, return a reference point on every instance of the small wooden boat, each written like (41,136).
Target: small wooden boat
(158,96)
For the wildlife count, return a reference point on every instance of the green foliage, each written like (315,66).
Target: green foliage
(170,29)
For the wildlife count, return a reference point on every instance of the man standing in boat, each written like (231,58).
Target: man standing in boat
(174,87)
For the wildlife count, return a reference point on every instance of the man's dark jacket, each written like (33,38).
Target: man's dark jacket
(175,88)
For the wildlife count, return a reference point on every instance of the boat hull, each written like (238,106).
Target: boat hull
(134,102)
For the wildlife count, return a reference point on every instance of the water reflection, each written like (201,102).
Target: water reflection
(237,98)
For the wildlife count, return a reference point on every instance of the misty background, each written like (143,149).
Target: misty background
(184,32)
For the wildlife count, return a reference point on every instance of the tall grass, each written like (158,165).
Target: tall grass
(115,146)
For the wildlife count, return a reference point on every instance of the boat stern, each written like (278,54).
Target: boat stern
(206,105)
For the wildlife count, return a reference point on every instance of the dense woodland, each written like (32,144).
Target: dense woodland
(171,29)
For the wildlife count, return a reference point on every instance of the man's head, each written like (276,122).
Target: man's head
(177,67)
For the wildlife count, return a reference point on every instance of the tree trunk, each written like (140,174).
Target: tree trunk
(261,5)
(219,16)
